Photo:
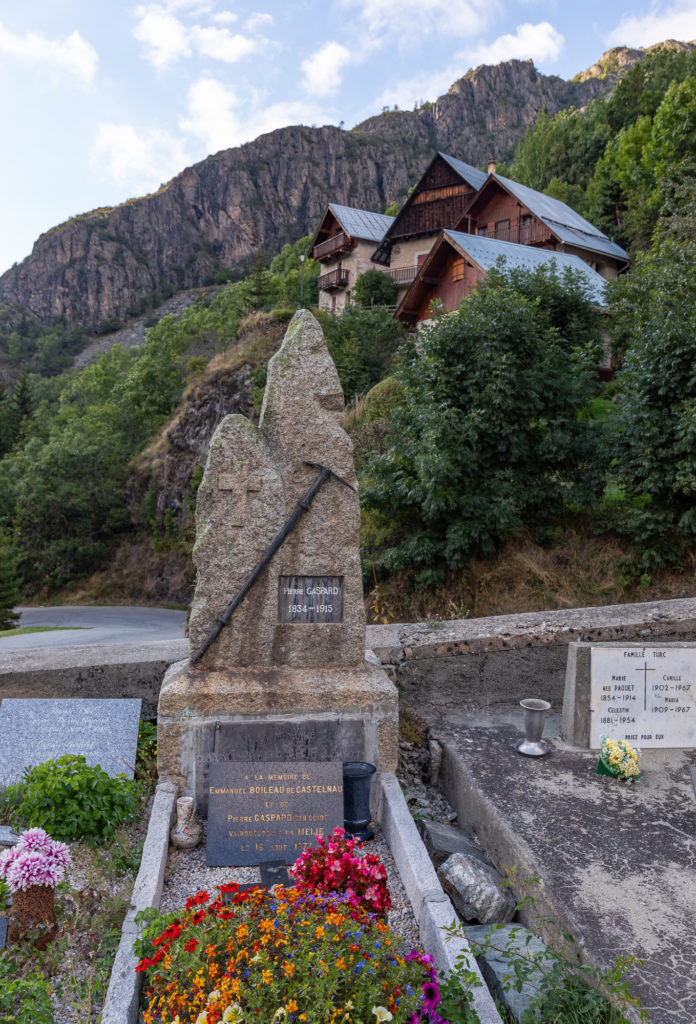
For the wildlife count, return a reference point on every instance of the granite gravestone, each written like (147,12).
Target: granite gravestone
(270,811)
(286,679)
(35,731)
(645,694)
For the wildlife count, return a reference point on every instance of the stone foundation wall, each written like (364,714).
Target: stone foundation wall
(461,665)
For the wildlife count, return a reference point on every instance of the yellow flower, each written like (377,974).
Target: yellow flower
(233,1014)
(266,977)
(202,1018)
(280,1013)
(213,995)
(380,1012)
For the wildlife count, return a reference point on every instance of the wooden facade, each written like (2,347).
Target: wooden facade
(446,279)
(436,202)
(497,214)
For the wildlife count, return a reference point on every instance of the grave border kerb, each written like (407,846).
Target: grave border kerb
(431,906)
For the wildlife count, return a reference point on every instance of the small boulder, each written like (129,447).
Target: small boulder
(442,840)
(475,890)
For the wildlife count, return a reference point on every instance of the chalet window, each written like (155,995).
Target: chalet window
(458,270)
(483,230)
(526,227)
(502,225)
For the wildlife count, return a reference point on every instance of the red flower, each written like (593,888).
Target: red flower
(191,945)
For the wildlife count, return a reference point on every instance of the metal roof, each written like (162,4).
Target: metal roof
(472,175)
(362,223)
(562,220)
(487,251)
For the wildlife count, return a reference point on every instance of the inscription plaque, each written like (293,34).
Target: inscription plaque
(310,599)
(270,811)
(646,695)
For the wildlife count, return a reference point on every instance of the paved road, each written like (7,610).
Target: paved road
(116,625)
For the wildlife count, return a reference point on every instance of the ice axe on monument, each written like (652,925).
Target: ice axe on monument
(302,506)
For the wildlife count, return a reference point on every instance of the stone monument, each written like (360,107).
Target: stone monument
(285,678)
(643,693)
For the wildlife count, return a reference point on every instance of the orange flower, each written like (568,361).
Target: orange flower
(291,1006)
(266,977)
(341,964)
(288,969)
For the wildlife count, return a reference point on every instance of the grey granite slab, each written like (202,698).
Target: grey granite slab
(35,731)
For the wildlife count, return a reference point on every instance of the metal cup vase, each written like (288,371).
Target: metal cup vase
(534,720)
(357,777)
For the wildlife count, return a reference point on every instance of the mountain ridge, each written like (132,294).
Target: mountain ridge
(107,263)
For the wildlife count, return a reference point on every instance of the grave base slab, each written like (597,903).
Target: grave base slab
(272,714)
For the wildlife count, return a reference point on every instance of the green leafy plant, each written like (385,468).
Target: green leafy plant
(487,436)
(568,991)
(25,994)
(146,755)
(72,800)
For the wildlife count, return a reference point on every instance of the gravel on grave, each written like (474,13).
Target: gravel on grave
(186,873)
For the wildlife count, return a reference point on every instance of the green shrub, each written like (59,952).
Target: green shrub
(374,288)
(25,998)
(71,800)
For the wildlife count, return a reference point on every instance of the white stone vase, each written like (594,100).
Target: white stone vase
(188,831)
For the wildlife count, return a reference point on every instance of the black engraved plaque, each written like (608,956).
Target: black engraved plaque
(270,811)
(310,599)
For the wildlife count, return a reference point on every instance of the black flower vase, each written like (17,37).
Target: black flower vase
(357,776)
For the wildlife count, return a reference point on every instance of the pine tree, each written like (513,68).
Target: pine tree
(9,593)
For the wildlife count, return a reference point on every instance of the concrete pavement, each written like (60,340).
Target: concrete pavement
(616,861)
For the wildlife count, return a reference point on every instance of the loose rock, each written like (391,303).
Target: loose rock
(442,840)
(474,889)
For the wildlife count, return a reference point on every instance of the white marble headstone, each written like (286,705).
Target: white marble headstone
(646,695)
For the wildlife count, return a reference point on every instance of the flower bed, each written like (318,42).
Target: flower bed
(282,955)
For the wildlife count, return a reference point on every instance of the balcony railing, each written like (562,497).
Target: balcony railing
(334,279)
(402,275)
(525,234)
(337,243)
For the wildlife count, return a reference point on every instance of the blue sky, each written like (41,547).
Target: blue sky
(105,99)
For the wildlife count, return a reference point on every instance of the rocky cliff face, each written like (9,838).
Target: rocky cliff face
(271,191)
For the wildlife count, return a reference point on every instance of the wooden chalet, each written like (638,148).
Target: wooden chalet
(509,212)
(437,201)
(459,261)
(343,244)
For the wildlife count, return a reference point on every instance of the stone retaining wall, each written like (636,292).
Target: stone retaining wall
(462,665)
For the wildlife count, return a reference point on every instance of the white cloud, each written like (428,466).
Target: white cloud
(675,21)
(139,160)
(322,71)
(540,42)
(164,36)
(73,54)
(257,21)
(220,44)
(416,18)
(220,118)
(426,86)
(225,17)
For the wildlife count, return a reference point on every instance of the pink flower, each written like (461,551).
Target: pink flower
(36,839)
(35,860)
